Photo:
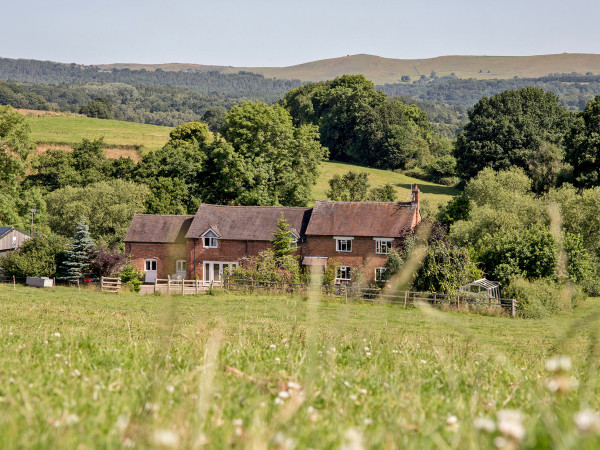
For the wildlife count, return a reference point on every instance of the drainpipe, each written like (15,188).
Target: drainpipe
(195,240)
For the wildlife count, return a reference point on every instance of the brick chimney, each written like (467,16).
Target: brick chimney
(415,201)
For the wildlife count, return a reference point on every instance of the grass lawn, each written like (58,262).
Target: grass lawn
(434,194)
(89,370)
(62,129)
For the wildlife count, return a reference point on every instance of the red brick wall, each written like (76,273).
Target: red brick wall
(165,254)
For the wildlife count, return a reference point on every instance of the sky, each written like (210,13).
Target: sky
(284,32)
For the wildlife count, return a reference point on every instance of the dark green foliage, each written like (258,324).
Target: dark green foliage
(268,267)
(80,254)
(583,146)
(169,196)
(457,209)
(530,253)
(284,242)
(190,133)
(350,187)
(537,299)
(445,268)
(100,108)
(40,256)
(131,277)
(581,267)
(214,118)
(385,193)
(508,130)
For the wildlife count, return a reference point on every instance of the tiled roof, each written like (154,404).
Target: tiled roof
(4,230)
(377,219)
(158,228)
(247,223)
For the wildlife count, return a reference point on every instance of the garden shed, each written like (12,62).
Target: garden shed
(483,286)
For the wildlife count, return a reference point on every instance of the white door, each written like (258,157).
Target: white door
(213,271)
(150,270)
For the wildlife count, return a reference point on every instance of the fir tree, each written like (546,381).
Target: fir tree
(284,242)
(80,253)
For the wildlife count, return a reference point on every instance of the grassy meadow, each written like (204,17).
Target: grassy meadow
(90,370)
(71,129)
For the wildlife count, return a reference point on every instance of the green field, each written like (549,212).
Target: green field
(86,370)
(434,194)
(72,129)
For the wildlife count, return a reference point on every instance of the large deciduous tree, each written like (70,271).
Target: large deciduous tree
(15,147)
(583,146)
(509,129)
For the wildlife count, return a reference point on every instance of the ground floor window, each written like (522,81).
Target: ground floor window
(215,271)
(180,265)
(380,274)
(150,264)
(344,273)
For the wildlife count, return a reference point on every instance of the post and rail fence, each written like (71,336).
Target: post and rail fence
(110,284)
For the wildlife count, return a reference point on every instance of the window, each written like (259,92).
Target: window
(380,274)
(383,246)
(150,264)
(344,273)
(180,265)
(343,244)
(210,242)
(294,239)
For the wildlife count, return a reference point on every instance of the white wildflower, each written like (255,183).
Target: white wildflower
(283,442)
(559,364)
(10,333)
(562,384)
(368,421)
(363,392)
(122,423)
(284,394)
(587,421)
(128,443)
(423,361)
(368,354)
(57,355)
(272,346)
(151,407)
(354,440)
(170,389)
(347,384)
(293,385)
(367,349)
(238,423)
(279,401)
(71,419)
(166,438)
(46,342)
(500,442)
(76,373)
(510,424)
(277,360)
(484,424)
(452,422)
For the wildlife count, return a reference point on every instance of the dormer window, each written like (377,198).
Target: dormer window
(343,244)
(210,239)
(293,239)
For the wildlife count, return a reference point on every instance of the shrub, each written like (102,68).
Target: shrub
(131,277)
(40,256)
(541,298)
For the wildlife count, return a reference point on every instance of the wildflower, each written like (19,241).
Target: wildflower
(368,354)
(76,373)
(452,422)
(284,394)
(57,355)
(239,427)
(423,361)
(354,440)
(170,389)
(332,349)
(510,424)
(46,342)
(562,384)
(71,419)
(10,333)
(277,361)
(367,349)
(347,384)
(279,401)
(294,385)
(151,407)
(122,423)
(272,346)
(559,364)
(166,438)
(587,421)
(484,424)
(283,442)
(500,442)
(368,421)
(363,392)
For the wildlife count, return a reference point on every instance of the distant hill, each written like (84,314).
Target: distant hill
(387,70)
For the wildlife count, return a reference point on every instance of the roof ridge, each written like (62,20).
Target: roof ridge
(255,206)
(363,202)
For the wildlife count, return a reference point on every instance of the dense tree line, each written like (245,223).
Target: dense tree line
(243,85)
(574,90)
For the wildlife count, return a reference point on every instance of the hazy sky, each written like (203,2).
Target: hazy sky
(284,32)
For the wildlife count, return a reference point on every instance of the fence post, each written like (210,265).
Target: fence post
(101,284)
(168,284)
(155,283)
(513,308)
(405,298)
(78,287)
(196,286)
(346,293)
(458,302)
(434,298)
(14,283)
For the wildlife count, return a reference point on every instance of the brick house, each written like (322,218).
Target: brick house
(157,245)
(356,235)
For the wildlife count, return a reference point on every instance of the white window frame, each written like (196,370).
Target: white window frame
(346,240)
(379,247)
(212,242)
(342,269)
(180,266)
(380,270)
(294,238)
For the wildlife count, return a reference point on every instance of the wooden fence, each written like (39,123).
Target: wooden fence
(460,301)
(183,287)
(110,284)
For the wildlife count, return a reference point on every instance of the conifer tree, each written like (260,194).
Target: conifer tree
(283,241)
(80,253)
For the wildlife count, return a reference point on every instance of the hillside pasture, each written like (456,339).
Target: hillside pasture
(91,370)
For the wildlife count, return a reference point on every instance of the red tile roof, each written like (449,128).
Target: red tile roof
(376,219)
(247,223)
(158,228)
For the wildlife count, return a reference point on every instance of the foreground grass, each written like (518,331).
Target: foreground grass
(90,370)
(63,129)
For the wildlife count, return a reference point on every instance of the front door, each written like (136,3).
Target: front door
(150,271)
(213,271)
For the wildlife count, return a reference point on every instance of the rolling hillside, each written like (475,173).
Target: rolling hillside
(388,70)
(51,130)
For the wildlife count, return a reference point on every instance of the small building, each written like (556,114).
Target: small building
(491,289)
(157,245)
(11,238)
